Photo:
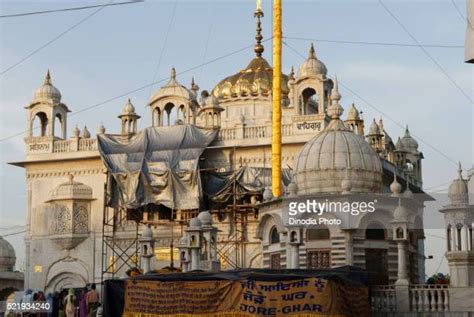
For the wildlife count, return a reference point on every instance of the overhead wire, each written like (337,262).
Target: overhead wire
(54,39)
(425,51)
(165,43)
(14,15)
(371,43)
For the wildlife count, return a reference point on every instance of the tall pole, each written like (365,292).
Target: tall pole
(276,95)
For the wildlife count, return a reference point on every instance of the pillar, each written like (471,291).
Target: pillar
(402,276)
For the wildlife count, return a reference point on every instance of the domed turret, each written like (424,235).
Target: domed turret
(47,92)
(129,118)
(147,232)
(458,191)
(408,142)
(326,160)
(312,66)
(353,113)
(395,186)
(7,255)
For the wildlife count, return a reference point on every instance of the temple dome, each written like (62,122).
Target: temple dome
(337,155)
(47,92)
(312,66)
(7,256)
(256,79)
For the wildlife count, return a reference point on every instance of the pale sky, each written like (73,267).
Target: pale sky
(118,49)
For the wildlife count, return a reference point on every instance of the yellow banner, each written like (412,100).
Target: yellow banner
(303,297)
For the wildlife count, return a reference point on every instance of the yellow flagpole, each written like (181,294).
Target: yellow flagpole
(276,98)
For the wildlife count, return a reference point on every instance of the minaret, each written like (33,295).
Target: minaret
(459,217)
(129,119)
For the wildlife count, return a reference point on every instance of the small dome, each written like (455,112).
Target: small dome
(147,232)
(312,66)
(267,194)
(183,241)
(334,155)
(195,222)
(374,128)
(128,108)
(71,190)
(458,191)
(7,256)
(205,217)
(353,113)
(47,92)
(76,132)
(399,145)
(409,143)
(172,88)
(101,128)
(400,213)
(85,133)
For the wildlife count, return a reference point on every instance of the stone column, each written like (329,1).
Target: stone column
(195,259)
(146,263)
(402,276)
(293,258)
(465,235)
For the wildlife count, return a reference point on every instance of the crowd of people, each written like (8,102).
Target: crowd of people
(67,303)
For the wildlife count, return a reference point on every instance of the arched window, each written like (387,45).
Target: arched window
(274,236)
(181,113)
(310,101)
(458,236)
(42,125)
(169,107)
(375,231)
(58,127)
(448,236)
(317,234)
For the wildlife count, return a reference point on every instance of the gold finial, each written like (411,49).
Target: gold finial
(47,79)
(258,37)
(173,73)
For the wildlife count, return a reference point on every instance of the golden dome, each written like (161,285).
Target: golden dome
(255,80)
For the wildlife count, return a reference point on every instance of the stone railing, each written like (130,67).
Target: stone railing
(421,297)
(383,298)
(226,134)
(61,146)
(429,298)
(255,132)
(87,145)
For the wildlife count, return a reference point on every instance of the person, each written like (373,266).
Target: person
(92,300)
(69,307)
(83,303)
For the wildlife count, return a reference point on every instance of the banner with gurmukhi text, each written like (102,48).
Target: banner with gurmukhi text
(302,297)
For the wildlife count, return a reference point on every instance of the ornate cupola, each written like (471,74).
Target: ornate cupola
(310,90)
(375,137)
(44,110)
(210,112)
(355,121)
(174,104)
(129,118)
(70,205)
